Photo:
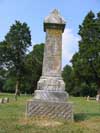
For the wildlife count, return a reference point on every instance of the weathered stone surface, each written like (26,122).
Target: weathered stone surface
(52,53)
(51,84)
(50,97)
(50,109)
(51,88)
(56,19)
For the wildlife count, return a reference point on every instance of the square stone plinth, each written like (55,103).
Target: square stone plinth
(62,110)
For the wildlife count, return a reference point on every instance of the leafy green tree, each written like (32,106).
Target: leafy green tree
(2,70)
(2,78)
(86,62)
(67,75)
(9,85)
(3,53)
(33,63)
(16,44)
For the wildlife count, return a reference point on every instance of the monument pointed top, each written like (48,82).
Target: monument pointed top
(55,11)
(54,18)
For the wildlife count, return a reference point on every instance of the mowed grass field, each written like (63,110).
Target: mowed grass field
(13,120)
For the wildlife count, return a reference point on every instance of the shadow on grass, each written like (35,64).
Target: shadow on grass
(85,116)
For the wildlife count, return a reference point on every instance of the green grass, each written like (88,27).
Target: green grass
(12,118)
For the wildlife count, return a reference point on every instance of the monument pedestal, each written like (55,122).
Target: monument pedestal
(51,89)
(51,95)
(50,109)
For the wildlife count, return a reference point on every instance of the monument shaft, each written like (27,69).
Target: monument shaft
(52,53)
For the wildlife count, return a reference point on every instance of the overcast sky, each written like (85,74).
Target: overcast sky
(33,13)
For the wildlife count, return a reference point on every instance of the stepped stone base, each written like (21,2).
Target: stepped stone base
(58,96)
(50,109)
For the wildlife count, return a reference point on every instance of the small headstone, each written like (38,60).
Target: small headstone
(6,100)
(1,100)
(98,98)
(88,98)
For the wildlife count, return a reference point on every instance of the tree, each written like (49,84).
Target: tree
(33,63)
(86,62)
(16,44)
(2,78)
(67,75)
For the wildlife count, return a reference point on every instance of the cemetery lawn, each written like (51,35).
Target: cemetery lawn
(12,118)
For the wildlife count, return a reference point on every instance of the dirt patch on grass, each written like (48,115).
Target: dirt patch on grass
(91,124)
(48,123)
(41,122)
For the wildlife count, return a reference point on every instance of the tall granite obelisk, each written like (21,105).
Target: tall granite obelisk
(51,86)
(50,98)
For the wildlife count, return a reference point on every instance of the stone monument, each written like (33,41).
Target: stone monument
(50,98)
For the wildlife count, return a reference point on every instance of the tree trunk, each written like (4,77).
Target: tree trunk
(17,90)
(98,91)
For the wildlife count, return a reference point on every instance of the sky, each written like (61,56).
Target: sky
(33,13)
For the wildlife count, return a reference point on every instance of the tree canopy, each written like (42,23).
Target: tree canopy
(13,50)
(86,62)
